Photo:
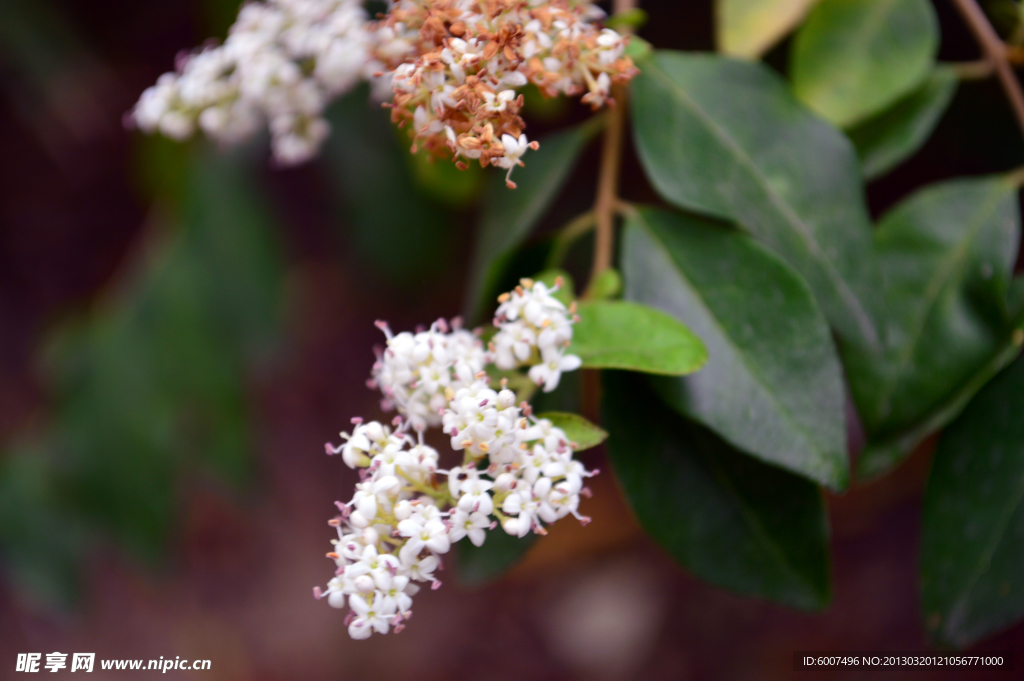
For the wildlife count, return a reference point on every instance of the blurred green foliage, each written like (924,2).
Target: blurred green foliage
(852,59)
(749,28)
(886,140)
(391,214)
(149,384)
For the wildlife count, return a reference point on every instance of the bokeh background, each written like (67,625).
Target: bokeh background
(183,327)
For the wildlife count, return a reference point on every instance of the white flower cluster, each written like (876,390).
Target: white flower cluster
(534,478)
(534,328)
(517,471)
(415,370)
(451,68)
(282,62)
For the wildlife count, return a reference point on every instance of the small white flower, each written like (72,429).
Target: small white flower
(420,569)
(432,535)
(370,617)
(472,524)
(514,150)
(549,372)
(499,102)
(396,599)
(475,497)
(513,345)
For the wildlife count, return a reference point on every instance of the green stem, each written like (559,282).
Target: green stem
(626,209)
(420,487)
(979,69)
(526,392)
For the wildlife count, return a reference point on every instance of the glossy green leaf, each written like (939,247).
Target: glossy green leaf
(579,430)
(500,551)
(510,214)
(853,58)
(773,384)
(889,138)
(945,256)
(727,138)
(749,28)
(732,520)
(972,548)
(614,334)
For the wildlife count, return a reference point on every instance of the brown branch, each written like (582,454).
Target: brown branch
(608,184)
(608,179)
(995,52)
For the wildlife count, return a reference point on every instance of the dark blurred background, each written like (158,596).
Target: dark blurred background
(182,328)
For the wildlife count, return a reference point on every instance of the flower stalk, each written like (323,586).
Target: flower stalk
(996,53)
(608,178)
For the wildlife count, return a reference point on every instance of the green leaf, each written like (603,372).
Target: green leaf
(887,139)
(749,28)
(608,284)
(579,430)
(972,548)
(773,384)
(510,214)
(853,58)
(481,564)
(439,179)
(614,334)
(881,455)
(732,520)
(631,20)
(389,221)
(945,256)
(637,48)
(234,235)
(726,138)
(542,107)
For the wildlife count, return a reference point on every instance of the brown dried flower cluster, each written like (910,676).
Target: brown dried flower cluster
(455,66)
